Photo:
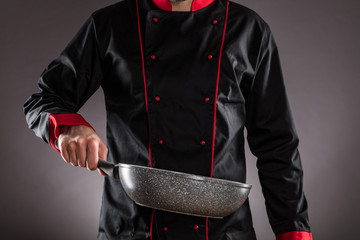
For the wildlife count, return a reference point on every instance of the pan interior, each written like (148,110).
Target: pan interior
(185,175)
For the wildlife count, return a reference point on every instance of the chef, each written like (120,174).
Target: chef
(182,80)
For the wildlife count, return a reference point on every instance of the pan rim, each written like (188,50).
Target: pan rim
(187,175)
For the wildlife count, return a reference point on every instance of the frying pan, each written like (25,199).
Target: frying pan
(178,192)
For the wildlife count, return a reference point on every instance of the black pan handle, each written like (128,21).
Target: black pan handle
(110,169)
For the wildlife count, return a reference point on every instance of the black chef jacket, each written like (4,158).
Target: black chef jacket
(180,88)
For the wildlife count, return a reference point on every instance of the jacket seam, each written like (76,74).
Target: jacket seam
(260,54)
(101,58)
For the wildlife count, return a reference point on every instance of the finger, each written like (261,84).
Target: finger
(92,155)
(81,153)
(103,152)
(64,154)
(72,154)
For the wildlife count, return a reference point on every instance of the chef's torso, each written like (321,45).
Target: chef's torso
(175,86)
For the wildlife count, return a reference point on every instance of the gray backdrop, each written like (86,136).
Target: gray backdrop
(42,197)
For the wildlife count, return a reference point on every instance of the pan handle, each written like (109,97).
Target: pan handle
(110,169)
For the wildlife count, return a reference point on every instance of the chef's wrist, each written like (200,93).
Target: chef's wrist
(60,123)
(64,128)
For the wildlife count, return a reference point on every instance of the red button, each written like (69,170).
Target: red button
(155,19)
(214,21)
(206,99)
(196,227)
(202,142)
(161,141)
(153,57)
(165,229)
(157,98)
(210,56)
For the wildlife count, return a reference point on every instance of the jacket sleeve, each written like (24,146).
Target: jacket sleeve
(273,140)
(65,85)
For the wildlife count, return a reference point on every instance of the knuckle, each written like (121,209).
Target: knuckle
(80,142)
(92,143)
(72,146)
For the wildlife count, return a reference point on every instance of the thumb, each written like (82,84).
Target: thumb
(102,173)
(103,152)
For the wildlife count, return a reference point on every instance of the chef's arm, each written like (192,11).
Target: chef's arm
(273,140)
(65,85)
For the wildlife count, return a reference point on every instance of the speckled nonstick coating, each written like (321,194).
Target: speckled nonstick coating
(178,192)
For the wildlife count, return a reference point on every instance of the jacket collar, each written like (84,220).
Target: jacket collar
(196,4)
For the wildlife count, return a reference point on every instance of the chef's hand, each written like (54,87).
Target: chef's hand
(81,146)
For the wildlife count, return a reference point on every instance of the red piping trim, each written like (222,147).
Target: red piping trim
(207,228)
(151,224)
(146,103)
(216,92)
(143,68)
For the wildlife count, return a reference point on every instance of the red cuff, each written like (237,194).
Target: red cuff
(295,235)
(57,120)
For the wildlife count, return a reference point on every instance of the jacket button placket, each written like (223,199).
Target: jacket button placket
(154,104)
(163,115)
